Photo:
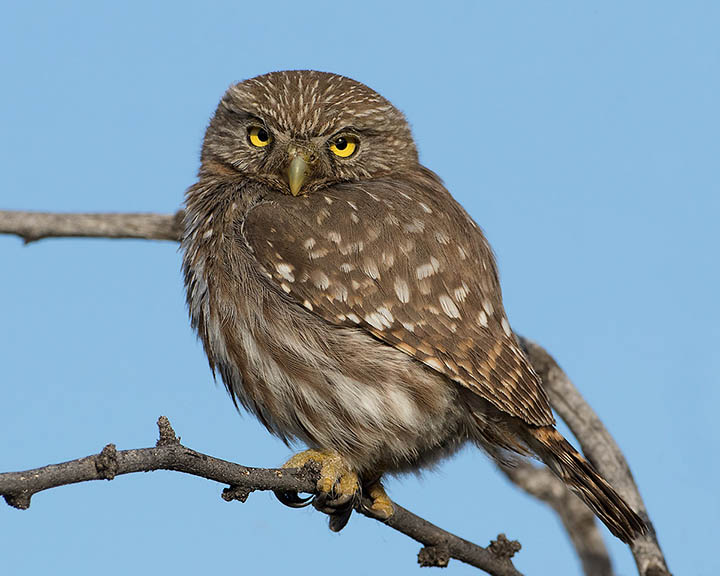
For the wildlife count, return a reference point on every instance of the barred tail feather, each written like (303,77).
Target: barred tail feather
(582,478)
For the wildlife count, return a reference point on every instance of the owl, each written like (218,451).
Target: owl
(351,304)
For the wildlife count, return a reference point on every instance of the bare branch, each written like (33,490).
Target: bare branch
(18,487)
(599,447)
(578,520)
(33,226)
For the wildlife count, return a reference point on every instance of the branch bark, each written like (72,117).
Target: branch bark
(595,440)
(439,546)
(600,448)
(33,226)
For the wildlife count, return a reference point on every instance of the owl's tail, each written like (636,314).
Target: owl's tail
(582,478)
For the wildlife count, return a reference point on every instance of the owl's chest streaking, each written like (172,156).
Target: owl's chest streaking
(329,384)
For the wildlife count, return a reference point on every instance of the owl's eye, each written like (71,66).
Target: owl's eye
(344,146)
(259,137)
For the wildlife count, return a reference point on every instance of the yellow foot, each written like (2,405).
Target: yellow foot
(336,477)
(381,507)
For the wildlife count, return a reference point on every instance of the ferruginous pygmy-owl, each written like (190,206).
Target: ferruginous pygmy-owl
(349,302)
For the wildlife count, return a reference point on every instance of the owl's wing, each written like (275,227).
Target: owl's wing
(403,261)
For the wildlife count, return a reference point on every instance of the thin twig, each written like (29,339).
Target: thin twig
(600,448)
(18,488)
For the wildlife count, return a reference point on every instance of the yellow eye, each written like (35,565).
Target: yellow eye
(259,137)
(344,146)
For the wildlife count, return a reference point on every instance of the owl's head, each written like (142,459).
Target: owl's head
(302,130)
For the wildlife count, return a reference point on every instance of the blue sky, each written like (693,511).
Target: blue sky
(583,138)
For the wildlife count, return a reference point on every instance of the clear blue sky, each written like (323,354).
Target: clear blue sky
(584,139)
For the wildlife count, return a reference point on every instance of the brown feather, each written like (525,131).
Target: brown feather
(582,478)
(390,275)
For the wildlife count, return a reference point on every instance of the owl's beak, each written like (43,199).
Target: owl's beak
(296,173)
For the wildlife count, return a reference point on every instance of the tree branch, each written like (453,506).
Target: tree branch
(33,226)
(18,488)
(596,442)
(600,448)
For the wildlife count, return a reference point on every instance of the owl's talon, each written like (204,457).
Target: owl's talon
(381,507)
(325,502)
(338,520)
(292,499)
(338,509)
